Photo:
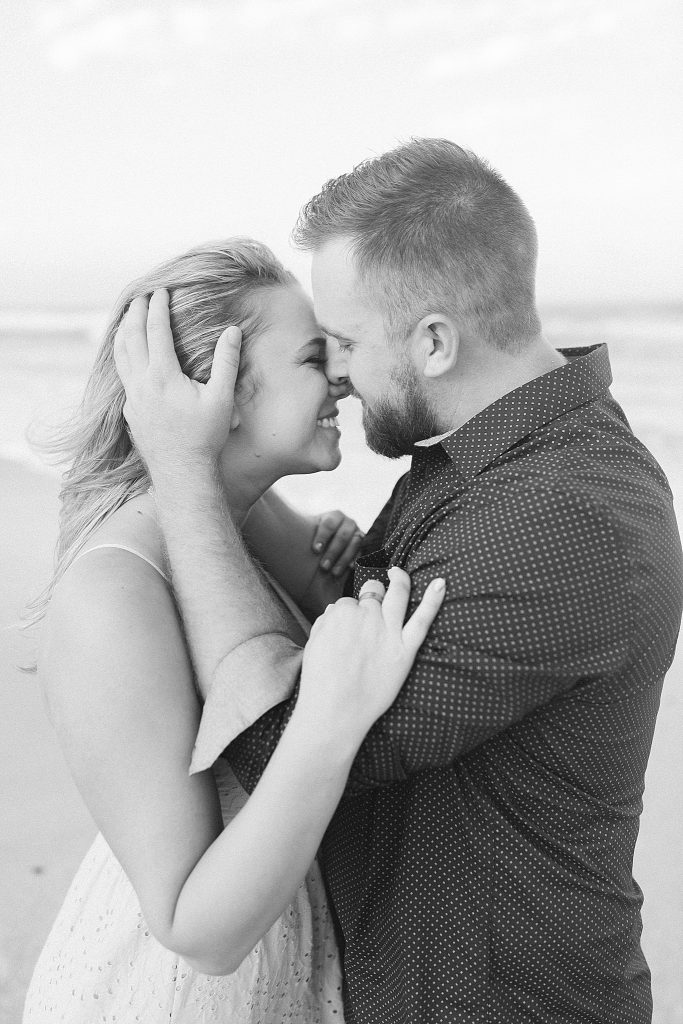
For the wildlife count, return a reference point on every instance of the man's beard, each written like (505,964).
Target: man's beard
(393,426)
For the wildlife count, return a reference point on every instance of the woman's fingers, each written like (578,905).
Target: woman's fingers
(326,527)
(417,626)
(395,604)
(371,594)
(337,539)
(340,563)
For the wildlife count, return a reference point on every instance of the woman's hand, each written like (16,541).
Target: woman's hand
(174,420)
(360,653)
(336,540)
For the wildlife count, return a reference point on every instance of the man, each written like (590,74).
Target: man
(480,862)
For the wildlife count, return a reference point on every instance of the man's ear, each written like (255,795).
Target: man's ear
(234,417)
(434,343)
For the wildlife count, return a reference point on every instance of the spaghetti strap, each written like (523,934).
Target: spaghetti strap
(123,547)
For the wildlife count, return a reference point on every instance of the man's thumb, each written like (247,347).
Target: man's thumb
(226,361)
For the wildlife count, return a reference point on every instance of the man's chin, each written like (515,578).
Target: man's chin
(393,432)
(384,441)
(387,450)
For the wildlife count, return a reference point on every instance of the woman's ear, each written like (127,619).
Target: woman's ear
(234,417)
(435,342)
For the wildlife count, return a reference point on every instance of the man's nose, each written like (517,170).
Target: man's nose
(336,371)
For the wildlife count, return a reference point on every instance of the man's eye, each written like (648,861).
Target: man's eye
(344,346)
(317,360)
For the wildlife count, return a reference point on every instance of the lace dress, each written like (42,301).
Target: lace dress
(102,965)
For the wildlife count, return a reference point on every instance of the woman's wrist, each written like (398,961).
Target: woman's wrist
(333,744)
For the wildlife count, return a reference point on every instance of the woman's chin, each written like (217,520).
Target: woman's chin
(323,465)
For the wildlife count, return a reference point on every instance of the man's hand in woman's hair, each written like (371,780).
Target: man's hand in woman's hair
(173,420)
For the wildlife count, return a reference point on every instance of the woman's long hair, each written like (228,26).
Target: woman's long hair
(210,287)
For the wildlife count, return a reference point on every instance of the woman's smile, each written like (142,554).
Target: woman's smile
(330,422)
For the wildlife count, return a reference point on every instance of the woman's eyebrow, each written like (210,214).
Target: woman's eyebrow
(312,343)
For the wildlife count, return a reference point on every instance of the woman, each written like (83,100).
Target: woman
(196,903)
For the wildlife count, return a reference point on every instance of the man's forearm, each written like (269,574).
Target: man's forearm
(223,599)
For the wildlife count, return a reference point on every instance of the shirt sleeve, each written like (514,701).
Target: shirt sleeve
(254,735)
(537,601)
(254,678)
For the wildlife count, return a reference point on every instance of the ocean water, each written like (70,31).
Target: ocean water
(46,357)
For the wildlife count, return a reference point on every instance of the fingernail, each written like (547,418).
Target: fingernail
(439,584)
(318,546)
(337,571)
(325,565)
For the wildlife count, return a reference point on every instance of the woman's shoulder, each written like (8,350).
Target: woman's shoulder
(129,542)
(119,571)
(112,599)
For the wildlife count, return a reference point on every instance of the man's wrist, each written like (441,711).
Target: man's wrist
(174,482)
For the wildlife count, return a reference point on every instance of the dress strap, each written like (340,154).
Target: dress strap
(289,603)
(123,547)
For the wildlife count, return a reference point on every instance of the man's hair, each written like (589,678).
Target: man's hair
(433,228)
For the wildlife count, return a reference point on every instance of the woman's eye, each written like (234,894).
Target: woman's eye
(317,360)
(344,346)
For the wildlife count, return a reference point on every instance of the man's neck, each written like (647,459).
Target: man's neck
(484,375)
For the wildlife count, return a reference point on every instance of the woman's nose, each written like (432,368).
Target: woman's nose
(335,370)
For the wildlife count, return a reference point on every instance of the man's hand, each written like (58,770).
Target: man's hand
(174,421)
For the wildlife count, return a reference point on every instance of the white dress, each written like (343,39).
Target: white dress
(101,964)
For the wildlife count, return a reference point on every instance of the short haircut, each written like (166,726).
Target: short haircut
(434,228)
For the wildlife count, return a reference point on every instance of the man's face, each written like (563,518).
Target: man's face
(395,411)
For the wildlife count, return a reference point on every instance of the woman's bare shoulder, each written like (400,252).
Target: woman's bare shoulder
(132,528)
(112,605)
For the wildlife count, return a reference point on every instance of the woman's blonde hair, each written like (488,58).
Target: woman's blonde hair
(210,287)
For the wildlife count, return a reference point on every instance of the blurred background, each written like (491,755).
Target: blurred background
(131,130)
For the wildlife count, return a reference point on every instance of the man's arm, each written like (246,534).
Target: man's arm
(223,598)
(234,625)
(537,600)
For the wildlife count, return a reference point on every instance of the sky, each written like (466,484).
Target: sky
(131,130)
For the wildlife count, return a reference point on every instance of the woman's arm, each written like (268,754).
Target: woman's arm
(309,555)
(118,683)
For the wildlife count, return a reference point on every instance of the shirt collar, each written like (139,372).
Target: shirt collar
(585,377)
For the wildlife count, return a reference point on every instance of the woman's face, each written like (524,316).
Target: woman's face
(288,425)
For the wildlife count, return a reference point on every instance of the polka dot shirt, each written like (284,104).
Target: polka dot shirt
(480,863)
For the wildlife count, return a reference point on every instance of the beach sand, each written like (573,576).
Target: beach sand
(46,829)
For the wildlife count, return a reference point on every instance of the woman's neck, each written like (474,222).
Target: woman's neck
(243,486)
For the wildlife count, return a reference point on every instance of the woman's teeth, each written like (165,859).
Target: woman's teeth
(329,421)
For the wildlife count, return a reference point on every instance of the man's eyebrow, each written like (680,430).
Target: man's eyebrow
(318,342)
(335,334)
